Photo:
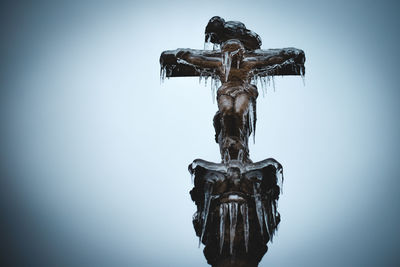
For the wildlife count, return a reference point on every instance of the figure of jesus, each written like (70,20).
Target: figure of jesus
(236,97)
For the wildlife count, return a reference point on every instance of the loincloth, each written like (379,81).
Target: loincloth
(234,91)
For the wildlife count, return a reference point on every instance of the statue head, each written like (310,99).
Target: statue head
(219,31)
(214,30)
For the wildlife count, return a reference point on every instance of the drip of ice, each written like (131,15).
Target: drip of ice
(192,174)
(223,210)
(273,212)
(265,210)
(252,121)
(273,82)
(257,199)
(245,215)
(163,73)
(279,175)
(263,85)
(213,88)
(207,44)
(254,79)
(226,62)
(233,209)
(264,79)
(215,83)
(206,208)
(302,76)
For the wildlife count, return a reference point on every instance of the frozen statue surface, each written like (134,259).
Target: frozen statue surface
(236,199)
(218,31)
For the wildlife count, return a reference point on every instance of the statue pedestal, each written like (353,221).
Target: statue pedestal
(236,209)
(236,200)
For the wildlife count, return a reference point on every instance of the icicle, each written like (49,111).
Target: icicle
(257,199)
(263,85)
(254,104)
(302,76)
(245,215)
(279,175)
(250,114)
(273,82)
(255,80)
(163,72)
(200,77)
(226,61)
(267,222)
(205,80)
(233,209)
(252,122)
(273,211)
(207,42)
(223,210)
(206,207)
(214,87)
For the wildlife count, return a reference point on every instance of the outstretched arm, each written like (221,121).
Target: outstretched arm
(189,62)
(198,58)
(278,61)
(263,59)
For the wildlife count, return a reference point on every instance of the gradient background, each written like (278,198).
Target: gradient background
(94,151)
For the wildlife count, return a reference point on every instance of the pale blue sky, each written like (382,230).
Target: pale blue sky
(95,150)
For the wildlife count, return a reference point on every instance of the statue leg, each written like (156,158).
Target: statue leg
(232,136)
(225,104)
(228,115)
(242,109)
(241,105)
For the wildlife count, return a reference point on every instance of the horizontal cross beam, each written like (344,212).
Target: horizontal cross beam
(291,62)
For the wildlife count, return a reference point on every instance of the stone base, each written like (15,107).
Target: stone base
(236,209)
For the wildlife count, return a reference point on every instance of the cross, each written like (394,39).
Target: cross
(237,66)
(248,192)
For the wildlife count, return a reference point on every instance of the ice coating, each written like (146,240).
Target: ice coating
(207,42)
(226,63)
(223,211)
(233,64)
(259,211)
(245,216)
(233,210)
(252,120)
(285,61)
(207,202)
(219,31)
(215,171)
(248,66)
(210,177)
(266,220)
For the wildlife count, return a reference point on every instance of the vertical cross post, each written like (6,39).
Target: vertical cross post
(236,199)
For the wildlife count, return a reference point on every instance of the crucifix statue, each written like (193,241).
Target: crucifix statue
(236,185)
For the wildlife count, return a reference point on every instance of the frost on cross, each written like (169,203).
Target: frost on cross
(236,199)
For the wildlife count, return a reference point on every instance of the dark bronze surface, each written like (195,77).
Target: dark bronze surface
(236,199)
